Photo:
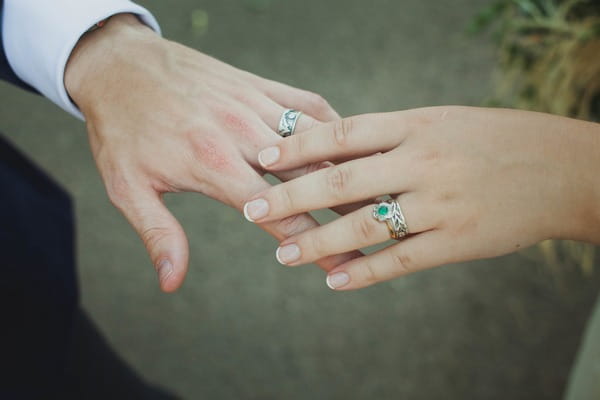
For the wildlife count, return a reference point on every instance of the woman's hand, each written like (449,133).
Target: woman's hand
(471,182)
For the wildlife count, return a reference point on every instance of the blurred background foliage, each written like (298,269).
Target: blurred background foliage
(549,61)
(549,55)
(199,17)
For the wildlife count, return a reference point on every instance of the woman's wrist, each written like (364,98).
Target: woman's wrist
(582,166)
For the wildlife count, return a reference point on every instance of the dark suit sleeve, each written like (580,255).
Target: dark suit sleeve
(6,72)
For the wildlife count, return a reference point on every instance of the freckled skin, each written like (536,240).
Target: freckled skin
(214,155)
(238,124)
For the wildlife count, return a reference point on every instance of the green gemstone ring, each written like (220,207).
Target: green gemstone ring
(390,212)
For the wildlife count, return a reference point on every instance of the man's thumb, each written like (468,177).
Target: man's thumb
(162,235)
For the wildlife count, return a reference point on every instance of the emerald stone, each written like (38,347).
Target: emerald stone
(382,210)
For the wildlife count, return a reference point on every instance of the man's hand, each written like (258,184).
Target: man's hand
(164,118)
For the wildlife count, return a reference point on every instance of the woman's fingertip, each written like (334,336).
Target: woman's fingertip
(246,215)
(278,256)
(288,254)
(337,280)
(269,156)
(256,209)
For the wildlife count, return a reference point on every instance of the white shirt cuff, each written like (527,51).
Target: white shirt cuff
(39,36)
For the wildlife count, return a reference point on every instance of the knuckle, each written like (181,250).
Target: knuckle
(238,123)
(342,130)
(428,162)
(314,167)
(117,190)
(402,262)
(312,123)
(430,155)
(317,102)
(338,180)
(247,98)
(316,246)
(418,120)
(290,226)
(370,274)
(153,235)
(285,200)
(447,196)
(468,226)
(364,229)
(446,111)
(300,146)
(210,153)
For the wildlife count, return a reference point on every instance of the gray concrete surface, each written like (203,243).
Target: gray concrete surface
(245,328)
(583,382)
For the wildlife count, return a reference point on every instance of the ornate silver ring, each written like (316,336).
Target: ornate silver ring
(287,123)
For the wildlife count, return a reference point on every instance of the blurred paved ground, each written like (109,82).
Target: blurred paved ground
(244,327)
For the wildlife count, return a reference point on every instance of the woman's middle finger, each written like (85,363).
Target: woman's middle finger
(349,182)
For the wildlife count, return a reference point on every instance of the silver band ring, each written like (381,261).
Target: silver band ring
(390,212)
(287,123)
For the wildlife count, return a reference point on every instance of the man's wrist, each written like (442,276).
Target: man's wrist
(39,49)
(93,52)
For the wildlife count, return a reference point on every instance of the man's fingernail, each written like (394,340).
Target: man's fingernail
(165,269)
(256,209)
(338,280)
(287,254)
(268,156)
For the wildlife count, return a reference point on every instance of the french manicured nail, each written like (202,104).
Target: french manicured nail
(287,254)
(338,280)
(256,209)
(268,156)
(165,269)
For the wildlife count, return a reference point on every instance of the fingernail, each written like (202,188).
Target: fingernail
(165,269)
(268,156)
(256,209)
(287,254)
(338,280)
